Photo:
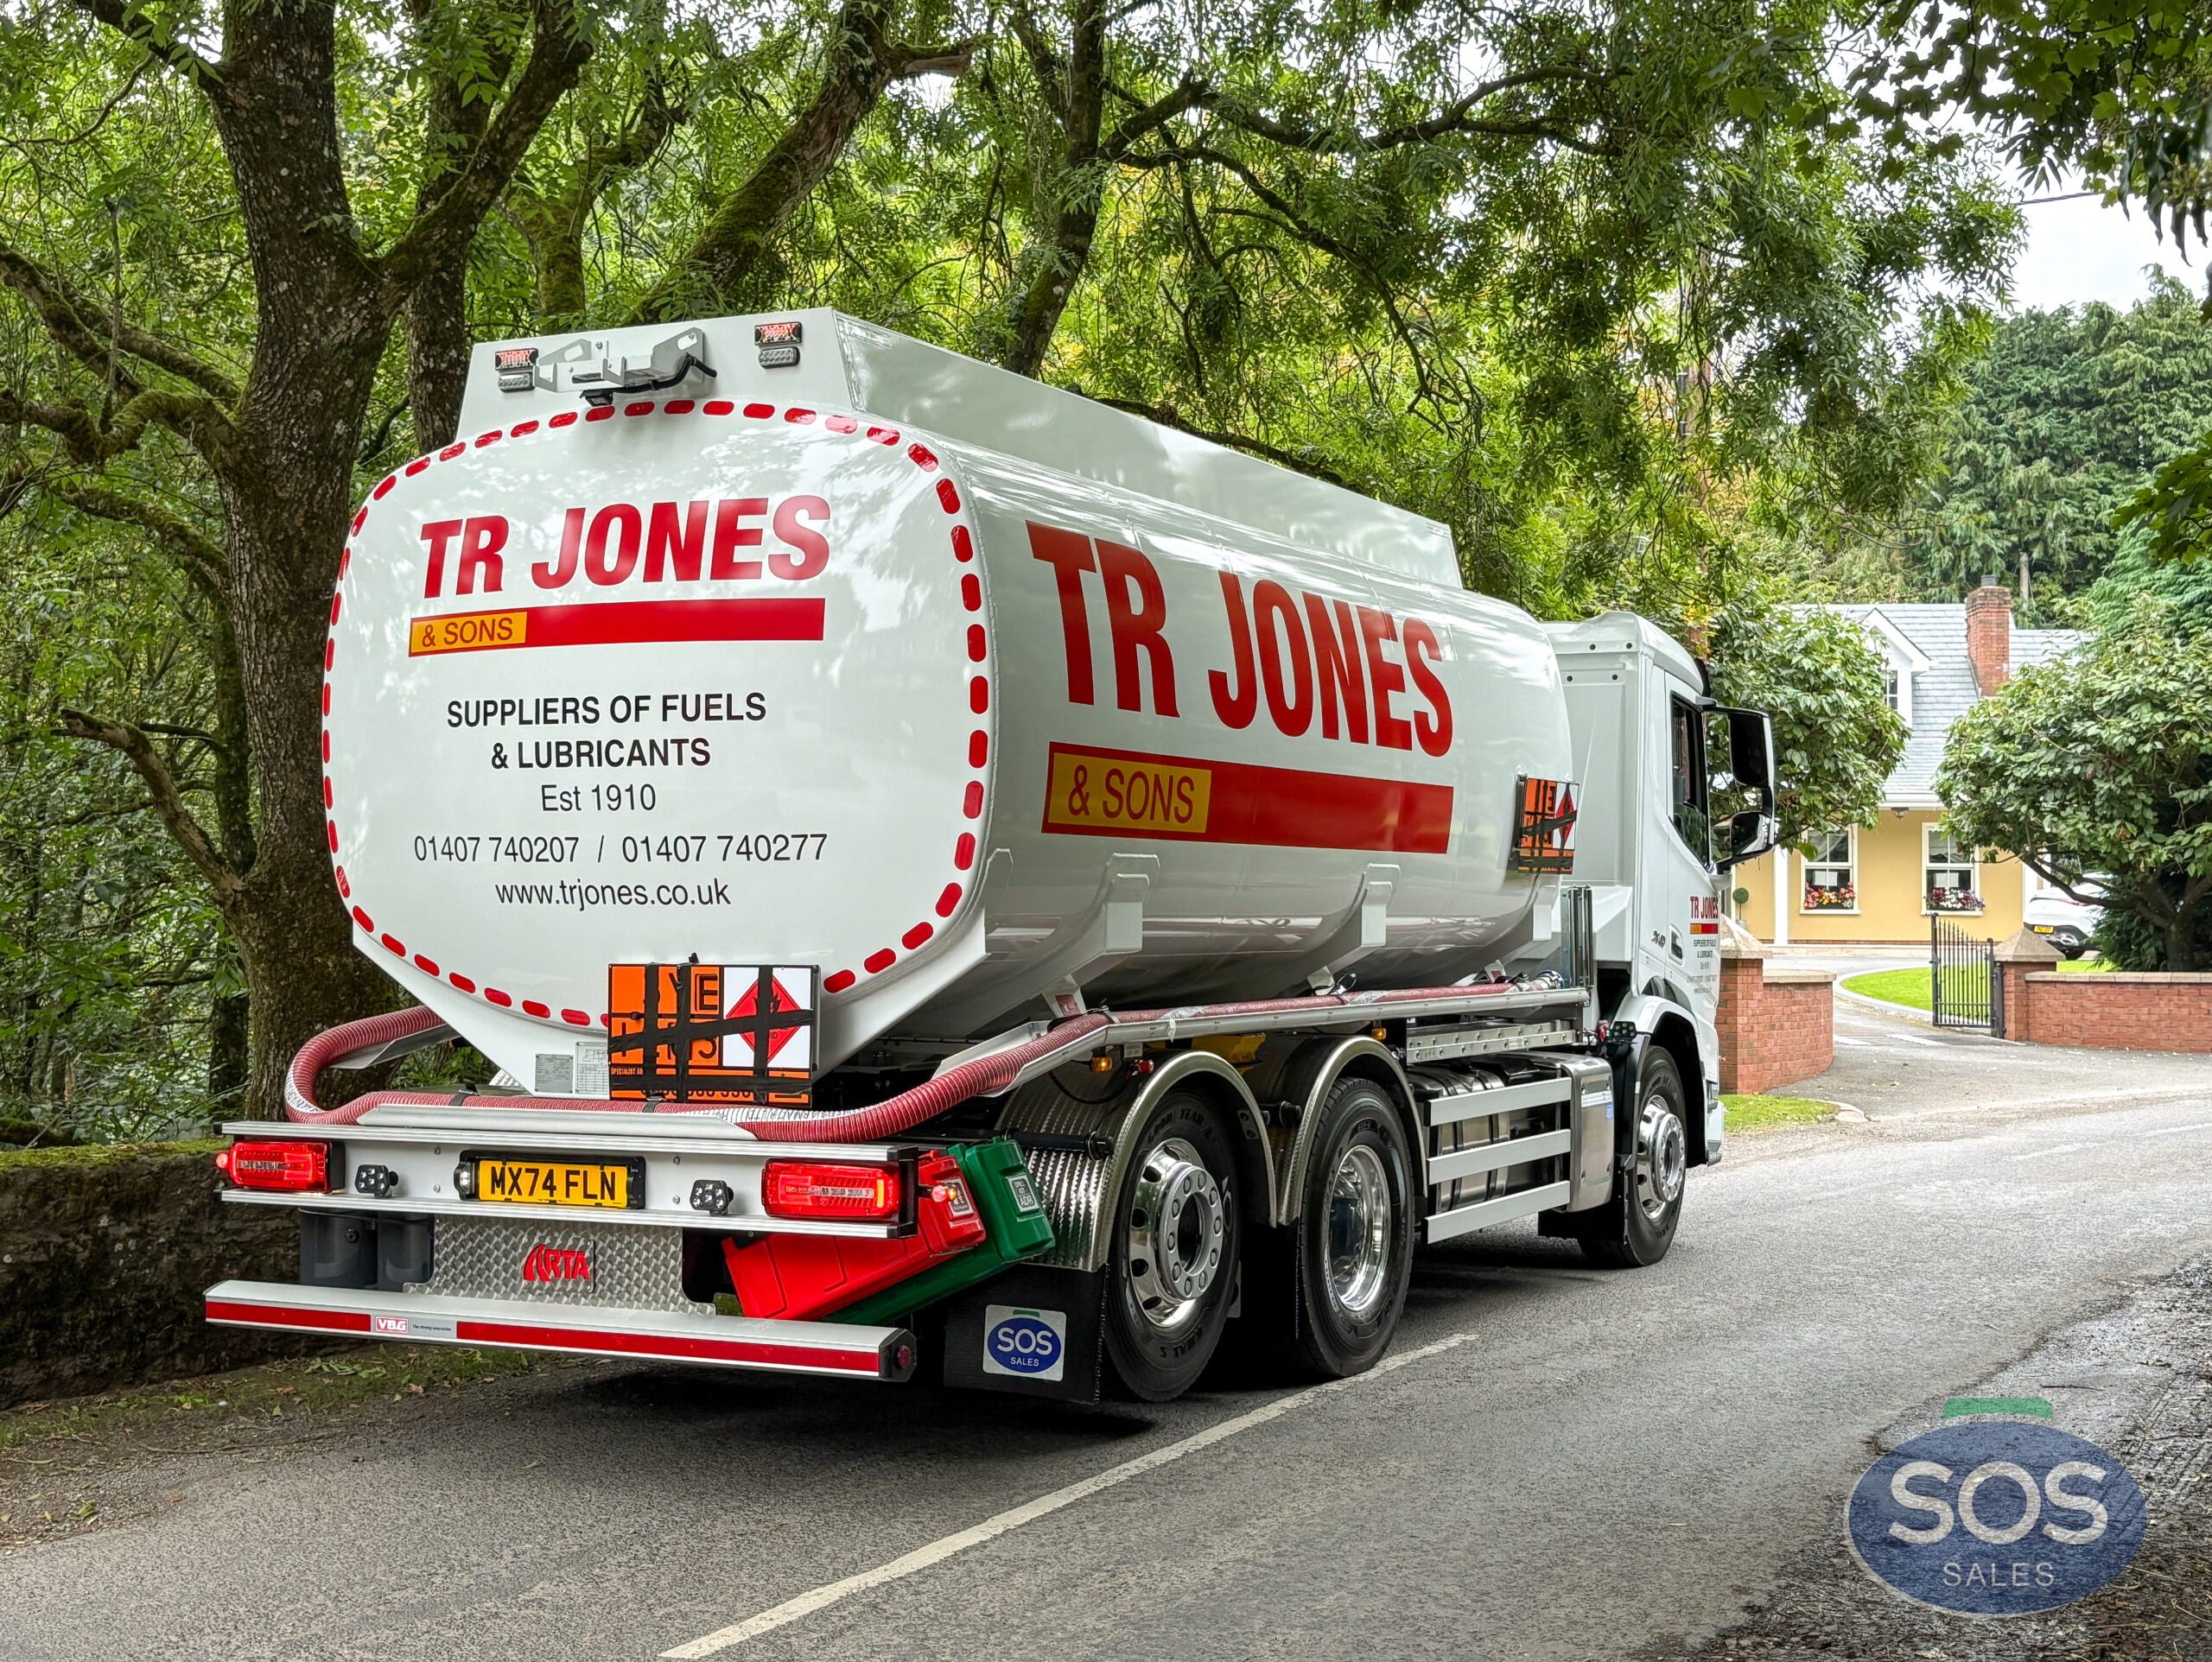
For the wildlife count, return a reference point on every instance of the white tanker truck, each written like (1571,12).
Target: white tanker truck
(953,877)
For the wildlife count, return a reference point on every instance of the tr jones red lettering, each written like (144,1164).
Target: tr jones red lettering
(617,544)
(1311,661)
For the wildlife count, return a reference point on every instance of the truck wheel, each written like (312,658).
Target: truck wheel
(1354,1233)
(1638,1225)
(1172,1272)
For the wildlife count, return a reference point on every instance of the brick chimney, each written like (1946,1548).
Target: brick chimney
(1989,634)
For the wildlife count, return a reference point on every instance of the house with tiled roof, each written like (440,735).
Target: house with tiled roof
(1883,882)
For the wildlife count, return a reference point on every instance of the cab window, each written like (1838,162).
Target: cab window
(1686,743)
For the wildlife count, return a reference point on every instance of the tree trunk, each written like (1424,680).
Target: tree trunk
(2181,939)
(286,523)
(1060,262)
(227,1052)
(437,354)
(726,262)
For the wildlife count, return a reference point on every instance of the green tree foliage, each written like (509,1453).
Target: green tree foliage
(2096,770)
(1608,289)
(2121,89)
(2175,506)
(2064,421)
(2183,588)
(1820,680)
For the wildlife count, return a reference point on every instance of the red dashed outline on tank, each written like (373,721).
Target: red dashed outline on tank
(975,666)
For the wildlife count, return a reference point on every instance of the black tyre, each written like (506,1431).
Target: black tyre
(1354,1237)
(1638,1225)
(1171,1274)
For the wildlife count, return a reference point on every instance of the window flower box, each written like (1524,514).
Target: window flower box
(1829,898)
(1954,900)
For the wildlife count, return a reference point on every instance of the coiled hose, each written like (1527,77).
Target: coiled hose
(888,1117)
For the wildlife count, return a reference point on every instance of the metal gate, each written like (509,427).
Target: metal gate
(1965,988)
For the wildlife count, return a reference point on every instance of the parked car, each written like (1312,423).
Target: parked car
(2066,922)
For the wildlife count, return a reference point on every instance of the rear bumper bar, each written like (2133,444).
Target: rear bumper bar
(855,1352)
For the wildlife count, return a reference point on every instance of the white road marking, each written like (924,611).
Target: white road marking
(1844,1038)
(922,1557)
(2177,1131)
(2072,1100)
(1914,1038)
(2062,1148)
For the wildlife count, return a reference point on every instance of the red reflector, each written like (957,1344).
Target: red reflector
(295,1166)
(806,1189)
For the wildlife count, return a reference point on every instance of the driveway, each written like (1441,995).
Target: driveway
(1891,1063)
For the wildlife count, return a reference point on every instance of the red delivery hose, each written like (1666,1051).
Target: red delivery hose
(888,1117)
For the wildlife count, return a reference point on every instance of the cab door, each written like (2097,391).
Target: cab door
(1679,945)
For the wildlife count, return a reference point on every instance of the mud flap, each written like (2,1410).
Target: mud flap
(1030,1330)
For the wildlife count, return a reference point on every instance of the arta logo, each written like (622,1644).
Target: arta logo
(1996,1516)
(556,1264)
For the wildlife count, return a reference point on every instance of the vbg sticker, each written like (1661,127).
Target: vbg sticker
(1025,1344)
(1996,1516)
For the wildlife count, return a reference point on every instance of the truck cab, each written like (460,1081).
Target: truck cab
(1659,760)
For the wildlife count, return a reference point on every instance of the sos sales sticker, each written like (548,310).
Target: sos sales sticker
(1025,1344)
(1996,1516)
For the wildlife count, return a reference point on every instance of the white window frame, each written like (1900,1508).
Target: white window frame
(1850,866)
(1901,659)
(1928,833)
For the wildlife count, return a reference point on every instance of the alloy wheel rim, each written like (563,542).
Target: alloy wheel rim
(1178,1232)
(1359,1224)
(1661,1157)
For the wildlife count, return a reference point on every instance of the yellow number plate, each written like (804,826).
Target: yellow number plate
(550,1182)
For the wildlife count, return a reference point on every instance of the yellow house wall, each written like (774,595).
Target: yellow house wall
(1890,895)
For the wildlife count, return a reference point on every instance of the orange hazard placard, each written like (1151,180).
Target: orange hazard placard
(1543,834)
(739,1033)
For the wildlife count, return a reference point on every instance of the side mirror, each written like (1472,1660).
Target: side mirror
(1748,834)
(1751,750)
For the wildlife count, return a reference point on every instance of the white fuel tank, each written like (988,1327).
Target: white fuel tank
(1018,702)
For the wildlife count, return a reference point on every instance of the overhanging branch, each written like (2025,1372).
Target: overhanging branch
(201,553)
(191,417)
(1460,118)
(81,329)
(168,801)
(135,25)
(558,52)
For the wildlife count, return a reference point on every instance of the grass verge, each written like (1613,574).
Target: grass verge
(1757,1113)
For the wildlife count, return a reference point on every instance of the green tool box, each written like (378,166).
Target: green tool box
(1013,1217)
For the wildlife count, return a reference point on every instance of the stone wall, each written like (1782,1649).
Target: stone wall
(104,1255)
(1777,1025)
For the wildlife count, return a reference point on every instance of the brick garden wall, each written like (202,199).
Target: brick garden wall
(1776,1025)
(2114,1011)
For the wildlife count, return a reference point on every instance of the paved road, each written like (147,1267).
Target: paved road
(1569,1464)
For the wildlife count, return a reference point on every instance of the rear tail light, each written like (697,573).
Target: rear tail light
(293,1166)
(811,1188)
